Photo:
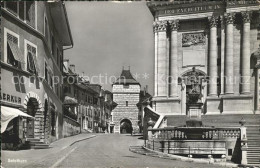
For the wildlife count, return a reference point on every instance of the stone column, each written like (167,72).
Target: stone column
(174,58)
(229,70)
(245,66)
(162,59)
(155,29)
(243,139)
(213,56)
(222,73)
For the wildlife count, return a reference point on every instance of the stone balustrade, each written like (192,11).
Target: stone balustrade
(176,133)
(217,142)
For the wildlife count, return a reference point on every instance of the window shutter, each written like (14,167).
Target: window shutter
(30,13)
(32,61)
(12,42)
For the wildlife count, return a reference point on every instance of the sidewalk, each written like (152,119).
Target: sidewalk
(22,158)
(145,151)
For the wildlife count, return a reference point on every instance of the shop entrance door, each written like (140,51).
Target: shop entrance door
(32,106)
(30,128)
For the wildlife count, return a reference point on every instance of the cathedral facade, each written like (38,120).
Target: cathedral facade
(220,40)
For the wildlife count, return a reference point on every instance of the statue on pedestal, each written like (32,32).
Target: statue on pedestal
(194,94)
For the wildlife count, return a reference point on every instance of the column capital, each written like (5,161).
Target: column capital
(174,25)
(213,21)
(162,25)
(155,26)
(246,16)
(230,17)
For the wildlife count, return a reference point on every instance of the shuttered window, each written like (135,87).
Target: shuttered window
(32,65)
(30,13)
(21,10)
(27,11)
(46,31)
(11,6)
(12,45)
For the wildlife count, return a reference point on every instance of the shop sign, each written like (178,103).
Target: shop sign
(10,98)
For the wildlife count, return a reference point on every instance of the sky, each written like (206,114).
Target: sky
(108,36)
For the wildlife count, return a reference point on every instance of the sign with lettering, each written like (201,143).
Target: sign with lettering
(10,98)
(177,9)
(191,9)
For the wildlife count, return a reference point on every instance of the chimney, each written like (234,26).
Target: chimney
(72,68)
(145,89)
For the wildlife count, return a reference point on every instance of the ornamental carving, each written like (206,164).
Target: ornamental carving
(222,20)
(162,25)
(174,24)
(155,26)
(230,17)
(246,16)
(213,21)
(190,39)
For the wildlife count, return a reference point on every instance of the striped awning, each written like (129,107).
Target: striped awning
(70,100)
(9,113)
(18,56)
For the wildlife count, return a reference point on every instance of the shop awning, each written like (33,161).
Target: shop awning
(70,100)
(8,113)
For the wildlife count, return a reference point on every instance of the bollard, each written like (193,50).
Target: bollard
(168,146)
(153,144)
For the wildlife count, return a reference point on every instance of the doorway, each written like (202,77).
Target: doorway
(32,107)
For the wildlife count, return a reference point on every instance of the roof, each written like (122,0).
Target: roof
(257,53)
(126,78)
(61,22)
(144,97)
(86,88)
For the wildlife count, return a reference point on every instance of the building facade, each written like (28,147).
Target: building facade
(218,39)
(33,36)
(219,42)
(86,105)
(126,92)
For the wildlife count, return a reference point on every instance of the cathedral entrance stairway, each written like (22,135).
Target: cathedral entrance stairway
(253,151)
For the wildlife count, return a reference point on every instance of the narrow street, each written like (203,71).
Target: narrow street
(105,150)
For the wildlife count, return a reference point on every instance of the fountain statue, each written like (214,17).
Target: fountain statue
(194,103)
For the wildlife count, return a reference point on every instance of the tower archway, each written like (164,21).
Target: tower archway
(126,126)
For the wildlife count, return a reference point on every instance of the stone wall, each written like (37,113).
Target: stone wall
(70,127)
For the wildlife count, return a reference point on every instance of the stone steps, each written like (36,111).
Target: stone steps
(35,143)
(253,151)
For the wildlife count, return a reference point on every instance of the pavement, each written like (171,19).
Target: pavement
(82,151)
(24,158)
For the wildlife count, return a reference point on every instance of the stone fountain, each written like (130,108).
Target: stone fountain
(194,128)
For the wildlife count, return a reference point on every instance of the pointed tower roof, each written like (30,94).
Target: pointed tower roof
(126,77)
